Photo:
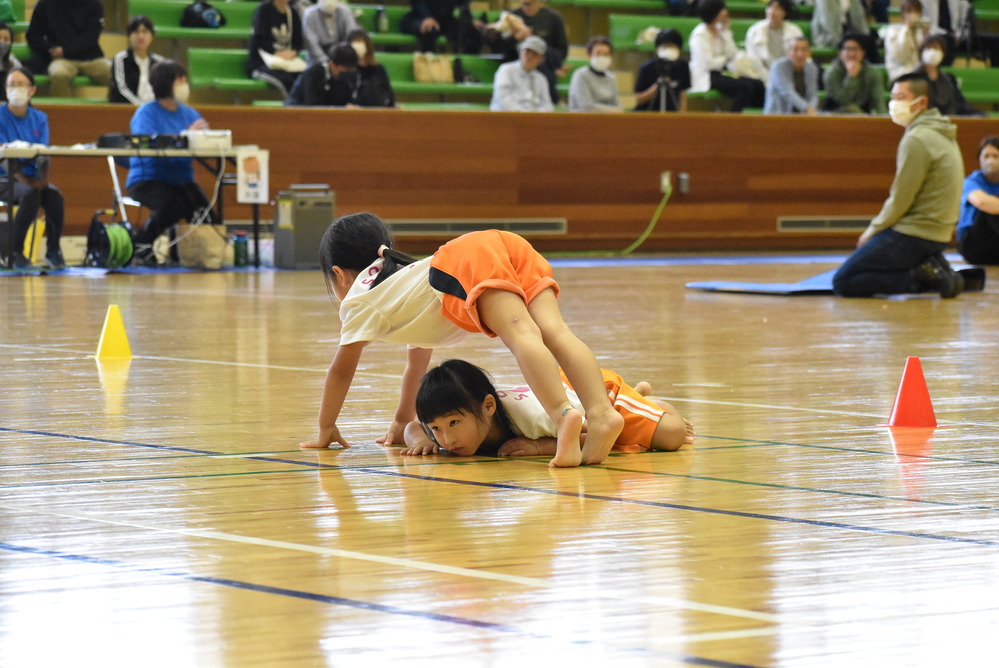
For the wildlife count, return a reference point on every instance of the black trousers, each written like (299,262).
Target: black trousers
(29,201)
(168,204)
(743,91)
(980,244)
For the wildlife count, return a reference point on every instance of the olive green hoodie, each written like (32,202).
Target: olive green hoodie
(925,198)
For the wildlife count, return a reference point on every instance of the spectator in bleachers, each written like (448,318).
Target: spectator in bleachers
(793,86)
(831,19)
(8,61)
(944,92)
(335,83)
(853,86)
(902,40)
(531,18)
(713,54)
(376,88)
(429,19)
(274,45)
(518,86)
(130,68)
(594,88)
(165,186)
(19,121)
(64,39)
(324,25)
(978,226)
(663,80)
(767,40)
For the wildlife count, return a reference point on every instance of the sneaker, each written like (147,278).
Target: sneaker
(54,260)
(21,262)
(936,274)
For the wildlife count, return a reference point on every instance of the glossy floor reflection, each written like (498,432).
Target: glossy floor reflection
(159,512)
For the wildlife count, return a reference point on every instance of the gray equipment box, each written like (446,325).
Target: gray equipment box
(302,215)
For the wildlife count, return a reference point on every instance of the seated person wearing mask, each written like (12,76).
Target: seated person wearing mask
(978,226)
(334,83)
(165,186)
(21,122)
(663,80)
(594,88)
(323,26)
(376,89)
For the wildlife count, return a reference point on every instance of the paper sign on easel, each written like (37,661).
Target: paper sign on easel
(252,175)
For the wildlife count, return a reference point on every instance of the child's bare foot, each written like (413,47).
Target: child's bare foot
(643,388)
(602,430)
(691,435)
(567,451)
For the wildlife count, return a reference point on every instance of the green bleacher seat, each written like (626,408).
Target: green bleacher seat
(400,70)
(393,37)
(221,69)
(979,85)
(21,24)
(166,14)
(987,10)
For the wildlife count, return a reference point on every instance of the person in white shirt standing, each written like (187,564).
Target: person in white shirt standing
(518,86)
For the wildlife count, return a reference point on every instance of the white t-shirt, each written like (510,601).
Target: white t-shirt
(402,309)
(527,417)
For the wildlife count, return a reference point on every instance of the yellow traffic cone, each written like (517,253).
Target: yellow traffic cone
(114,340)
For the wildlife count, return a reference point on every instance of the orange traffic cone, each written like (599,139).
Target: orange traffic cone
(913,407)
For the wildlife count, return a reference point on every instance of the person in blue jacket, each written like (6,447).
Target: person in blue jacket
(21,122)
(165,186)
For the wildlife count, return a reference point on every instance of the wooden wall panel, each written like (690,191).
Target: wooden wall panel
(600,172)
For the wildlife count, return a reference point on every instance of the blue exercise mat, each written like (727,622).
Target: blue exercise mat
(814,285)
(974,278)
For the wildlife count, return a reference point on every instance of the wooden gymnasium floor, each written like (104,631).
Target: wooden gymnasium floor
(160,513)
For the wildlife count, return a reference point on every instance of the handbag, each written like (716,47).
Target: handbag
(432,68)
(201,246)
(200,14)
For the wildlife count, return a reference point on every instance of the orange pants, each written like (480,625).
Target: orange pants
(641,416)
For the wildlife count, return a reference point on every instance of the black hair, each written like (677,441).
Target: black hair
(670,36)
(852,37)
(352,242)
(935,40)
(708,10)
(23,70)
(362,34)
(162,76)
(458,386)
(598,39)
(785,5)
(343,54)
(139,21)
(991,140)
(917,82)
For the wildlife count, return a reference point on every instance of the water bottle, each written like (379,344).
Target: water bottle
(240,250)
(381,20)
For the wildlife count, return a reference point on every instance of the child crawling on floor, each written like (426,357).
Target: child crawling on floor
(460,412)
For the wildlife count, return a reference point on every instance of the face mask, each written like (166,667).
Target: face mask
(932,57)
(360,48)
(329,6)
(990,167)
(4,49)
(901,112)
(182,92)
(668,52)
(720,27)
(18,97)
(600,63)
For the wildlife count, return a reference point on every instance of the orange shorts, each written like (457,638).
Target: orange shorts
(641,416)
(464,268)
